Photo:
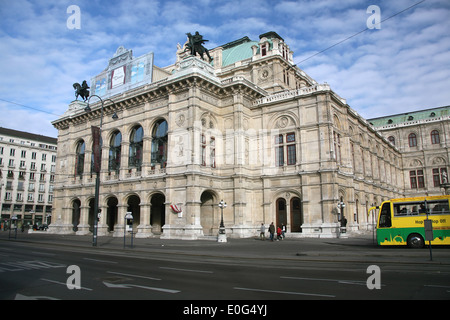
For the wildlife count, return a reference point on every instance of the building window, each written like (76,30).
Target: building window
(416,179)
(159,143)
(79,160)
(136,146)
(282,143)
(412,139)
(203,148)
(291,151)
(337,146)
(279,151)
(212,152)
(438,173)
(263,49)
(435,137)
(115,152)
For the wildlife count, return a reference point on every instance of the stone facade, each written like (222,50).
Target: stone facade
(250,128)
(423,139)
(27,175)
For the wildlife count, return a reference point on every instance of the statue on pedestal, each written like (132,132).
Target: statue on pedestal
(195,45)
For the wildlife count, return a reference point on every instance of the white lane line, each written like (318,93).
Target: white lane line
(63,283)
(361,283)
(132,275)
(286,292)
(128,286)
(97,260)
(186,270)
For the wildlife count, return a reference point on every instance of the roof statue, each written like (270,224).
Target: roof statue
(81,90)
(195,45)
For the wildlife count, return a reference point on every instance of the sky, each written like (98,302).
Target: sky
(400,65)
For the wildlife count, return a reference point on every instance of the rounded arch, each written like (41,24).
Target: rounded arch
(115,150)
(160,139)
(136,139)
(133,202)
(337,122)
(208,120)
(80,152)
(157,211)
(412,139)
(296,214)
(208,205)
(76,213)
(281,212)
(111,211)
(286,120)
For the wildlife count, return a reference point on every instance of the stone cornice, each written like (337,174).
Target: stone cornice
(158,90)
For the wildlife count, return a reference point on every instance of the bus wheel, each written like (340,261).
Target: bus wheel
(415,241)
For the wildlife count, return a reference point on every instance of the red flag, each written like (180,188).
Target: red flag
(96,148)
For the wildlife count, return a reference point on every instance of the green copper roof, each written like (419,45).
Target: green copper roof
(238,52)
(410,116)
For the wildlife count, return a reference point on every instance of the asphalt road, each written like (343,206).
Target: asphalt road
(45,270)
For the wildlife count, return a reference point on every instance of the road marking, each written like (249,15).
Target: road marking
(132,275)
(286,292)
(28,265)
(361,283)
(97,260)
(128,286)
(187,270)
(22,297)
(64,284)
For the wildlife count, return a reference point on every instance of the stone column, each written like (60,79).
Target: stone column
(144,229)
(83,227)
(119,227)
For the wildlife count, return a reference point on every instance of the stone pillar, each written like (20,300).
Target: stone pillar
(144,230)
(119,227)
(63,223)
(83,227)
(102,227)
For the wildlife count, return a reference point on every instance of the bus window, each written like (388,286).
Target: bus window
(385,216)
(438,206)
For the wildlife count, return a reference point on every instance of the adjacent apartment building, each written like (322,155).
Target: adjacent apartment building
(249,128)
(27,176)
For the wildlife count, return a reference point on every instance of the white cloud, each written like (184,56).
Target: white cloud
(401,67)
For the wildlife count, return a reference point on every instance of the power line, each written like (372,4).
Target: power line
(28,107)
(358,33)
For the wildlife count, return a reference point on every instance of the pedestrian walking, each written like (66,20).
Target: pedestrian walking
(283,231)
(262,234)
(279,234)
(271,231)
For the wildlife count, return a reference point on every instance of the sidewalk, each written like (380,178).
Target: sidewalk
(357,248)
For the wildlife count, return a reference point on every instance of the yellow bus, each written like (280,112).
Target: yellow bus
(402,221)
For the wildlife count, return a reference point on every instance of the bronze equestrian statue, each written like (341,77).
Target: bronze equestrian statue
(195,45)
(81,90)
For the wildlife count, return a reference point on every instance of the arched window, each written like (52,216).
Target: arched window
(159,143)
(115,148)
(412,138)
(435,137)
(136,146)
(79,160)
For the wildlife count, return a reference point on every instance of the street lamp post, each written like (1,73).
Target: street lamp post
(222,236)
(342,219)
(97,163)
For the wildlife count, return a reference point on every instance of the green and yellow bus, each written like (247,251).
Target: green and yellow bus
(402,221)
